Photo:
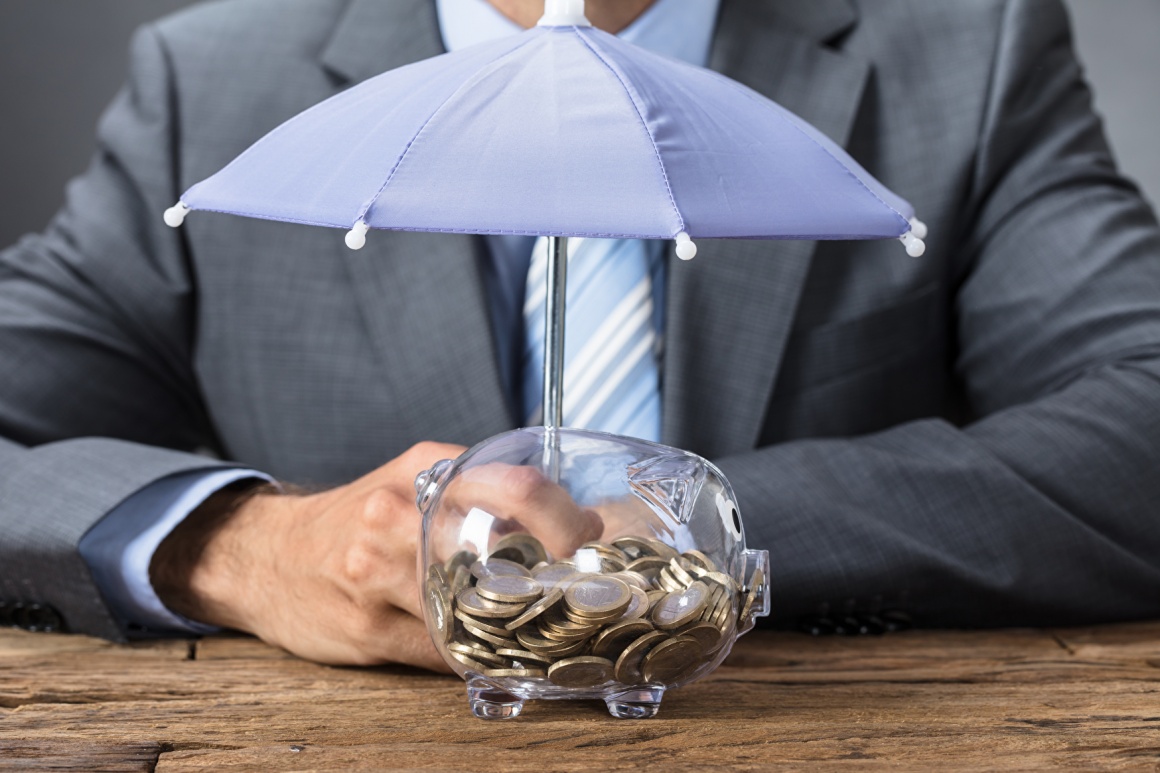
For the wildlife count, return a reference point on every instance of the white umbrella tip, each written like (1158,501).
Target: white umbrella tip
(356,238)
(918,228)
(175,215)
(686,248)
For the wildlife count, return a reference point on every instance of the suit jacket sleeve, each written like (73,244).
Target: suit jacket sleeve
(1044,510)
(97,397)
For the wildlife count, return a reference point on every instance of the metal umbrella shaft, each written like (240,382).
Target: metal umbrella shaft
(556,301)
(554,309)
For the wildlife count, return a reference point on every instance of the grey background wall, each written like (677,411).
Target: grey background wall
(62,60)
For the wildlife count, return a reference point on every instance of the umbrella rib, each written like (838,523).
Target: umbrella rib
(788,121)
(590,44)
(407,149)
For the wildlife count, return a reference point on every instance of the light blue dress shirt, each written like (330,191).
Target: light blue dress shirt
(120,547)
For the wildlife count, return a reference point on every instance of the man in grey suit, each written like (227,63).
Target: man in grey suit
(970,438)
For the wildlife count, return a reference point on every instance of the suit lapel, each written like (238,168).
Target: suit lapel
(373,36)
(730,311)
(420,295)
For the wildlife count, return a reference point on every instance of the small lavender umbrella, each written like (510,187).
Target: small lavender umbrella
(561,131)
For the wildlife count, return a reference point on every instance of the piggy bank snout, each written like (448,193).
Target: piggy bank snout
(428,482)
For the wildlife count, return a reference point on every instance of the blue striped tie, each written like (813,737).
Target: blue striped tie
(611,348)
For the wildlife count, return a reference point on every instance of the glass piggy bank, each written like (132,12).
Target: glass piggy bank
(574,564)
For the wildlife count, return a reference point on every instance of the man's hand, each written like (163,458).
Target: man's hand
(329,577)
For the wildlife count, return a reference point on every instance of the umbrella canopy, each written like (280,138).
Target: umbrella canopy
(563,130)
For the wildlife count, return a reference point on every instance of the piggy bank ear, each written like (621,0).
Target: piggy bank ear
(727,509)
(668,484)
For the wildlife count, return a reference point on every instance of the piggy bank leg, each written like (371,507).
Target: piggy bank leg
(637,703)
(489,702)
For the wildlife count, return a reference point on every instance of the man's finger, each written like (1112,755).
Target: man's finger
(523,495)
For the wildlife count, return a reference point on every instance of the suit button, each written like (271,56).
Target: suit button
(896,620)
(849,625)
(816,625)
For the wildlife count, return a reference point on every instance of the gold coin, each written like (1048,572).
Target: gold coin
(679,573)
(628,664)
(464,558)
(647,566)
(474,665)
(581,672)
(658,548)
(555,575)
(439,608)
(680,608)
(509,589)
(712,604)
(632,547)
(520,547)
(598,596)
(523,656)
(706,634)
(460,580)
(437,573)
(490,638)
(634,579)
(639,607)
(527,673)
(541,645)
(702,560)
(756,582)
(672,660)
(666,581)
(574,617)
(722,579)
(609,551)
(475,605)
(535,610)
(463,617)
(723,617)
(478,654)
(655,596)
(613,639)
(498,566)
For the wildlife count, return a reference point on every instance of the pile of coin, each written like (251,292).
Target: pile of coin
(634,611)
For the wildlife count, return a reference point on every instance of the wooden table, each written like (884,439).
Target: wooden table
(1085,698)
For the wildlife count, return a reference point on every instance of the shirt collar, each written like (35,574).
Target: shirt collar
(681,29)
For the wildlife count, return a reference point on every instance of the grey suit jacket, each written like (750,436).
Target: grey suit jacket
(971,437)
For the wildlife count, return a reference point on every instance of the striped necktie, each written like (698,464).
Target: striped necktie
(611,348)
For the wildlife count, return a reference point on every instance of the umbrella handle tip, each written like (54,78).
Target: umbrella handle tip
(356,238)
(915,247)
(686,248)
(175,215)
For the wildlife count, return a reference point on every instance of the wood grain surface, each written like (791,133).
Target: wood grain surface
(1020,700)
